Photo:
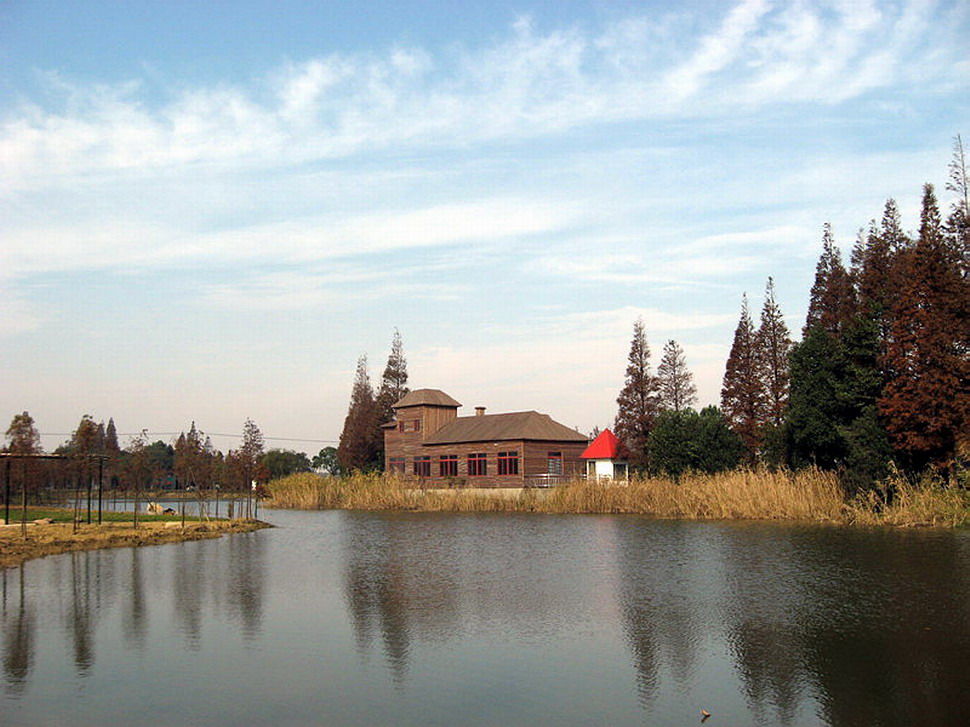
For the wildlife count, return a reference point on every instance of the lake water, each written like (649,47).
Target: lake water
(340,618)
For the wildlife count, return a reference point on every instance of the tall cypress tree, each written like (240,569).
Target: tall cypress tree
(742,395)
(831,304)
(638,403)
(926,399)
(676,383)
(877,270)
(774,343)
(394,382)
(359,448)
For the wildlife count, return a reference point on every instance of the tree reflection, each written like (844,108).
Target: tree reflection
(658,596)
(246,586)
(886,628)
(18,637)
(874,624)
(81,614)
(135,623)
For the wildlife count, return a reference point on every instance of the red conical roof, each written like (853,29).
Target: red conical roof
(606,446)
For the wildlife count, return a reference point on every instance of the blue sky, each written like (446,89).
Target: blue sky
(208,211)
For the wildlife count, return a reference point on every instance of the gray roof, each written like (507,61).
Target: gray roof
(426,397)
(529,425)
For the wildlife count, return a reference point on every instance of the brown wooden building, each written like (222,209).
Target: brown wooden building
(430,441)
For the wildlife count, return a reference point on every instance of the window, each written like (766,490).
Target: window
(477,465)
(555,463)
(508,463)
(411,426)
(396,465)
(422,466)
(448,465)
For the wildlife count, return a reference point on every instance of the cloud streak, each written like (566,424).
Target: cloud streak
(530,84)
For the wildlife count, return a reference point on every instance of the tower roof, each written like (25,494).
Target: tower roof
(426,397)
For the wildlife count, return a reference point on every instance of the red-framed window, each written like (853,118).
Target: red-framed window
(477,465)
(396,465)
(508,463)
(422,466)
(448,465)
(554,461)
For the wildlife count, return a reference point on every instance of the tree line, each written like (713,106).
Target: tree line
(92,458)
(879,380)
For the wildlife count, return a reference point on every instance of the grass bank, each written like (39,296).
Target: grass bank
(744,495)
(116,531)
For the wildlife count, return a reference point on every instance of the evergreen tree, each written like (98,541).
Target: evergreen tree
(111,438)
(685,441)
(394,381)
(638,403)
(815,411)
(359,448)
(831,304)
(675,381)
(773,343)
(742,392)
(717,447)
(926,400)
(672,444)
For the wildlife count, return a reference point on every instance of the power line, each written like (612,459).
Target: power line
(208,434)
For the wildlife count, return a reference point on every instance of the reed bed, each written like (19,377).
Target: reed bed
(807,495)
(899,502)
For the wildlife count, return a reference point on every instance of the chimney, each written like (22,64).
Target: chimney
(479,411)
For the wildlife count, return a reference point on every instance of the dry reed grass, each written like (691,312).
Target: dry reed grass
(807,495)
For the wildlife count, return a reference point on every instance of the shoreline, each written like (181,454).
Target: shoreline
(59,537)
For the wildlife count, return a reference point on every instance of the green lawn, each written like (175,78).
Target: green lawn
(66,515)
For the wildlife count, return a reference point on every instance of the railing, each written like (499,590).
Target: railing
(550,480)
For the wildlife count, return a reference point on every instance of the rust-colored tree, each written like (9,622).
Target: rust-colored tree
(831,303)
(359,448)
(676,383)
(877,269)
(639,402)
(926,398)
(742,392)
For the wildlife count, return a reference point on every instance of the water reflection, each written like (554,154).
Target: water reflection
(87,590)
(874,625)
(18,635)
(409,618)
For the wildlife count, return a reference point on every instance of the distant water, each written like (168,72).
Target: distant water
(339,618)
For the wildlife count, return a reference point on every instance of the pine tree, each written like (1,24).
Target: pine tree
(111,438)
(832,300)
(926,400)
(676,383)
(394,382)
(359,448)
(742,393)
(773,344)
(638,403)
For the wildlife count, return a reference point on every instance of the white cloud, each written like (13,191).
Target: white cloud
(528,85)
